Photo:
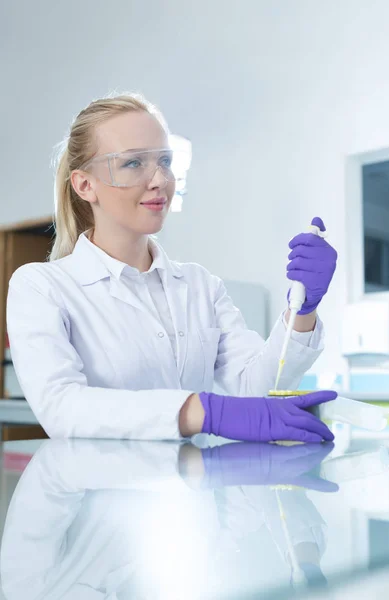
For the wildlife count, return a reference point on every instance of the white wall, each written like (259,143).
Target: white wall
(272,94)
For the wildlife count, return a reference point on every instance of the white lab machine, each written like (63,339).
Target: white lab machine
(365,347)
(365,333)
(252,299)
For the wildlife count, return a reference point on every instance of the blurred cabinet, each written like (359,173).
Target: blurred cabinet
(252,299)
(15,431)
(20,243)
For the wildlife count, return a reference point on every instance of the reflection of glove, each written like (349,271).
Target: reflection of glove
(265,464)
(265,419)
(313,263)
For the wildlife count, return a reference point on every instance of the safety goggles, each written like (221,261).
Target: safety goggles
(138,167)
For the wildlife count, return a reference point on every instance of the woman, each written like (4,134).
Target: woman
(112,339)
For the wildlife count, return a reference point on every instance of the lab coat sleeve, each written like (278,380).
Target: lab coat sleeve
(246,364)
(50,373)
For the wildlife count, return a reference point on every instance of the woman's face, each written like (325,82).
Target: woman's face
(126,207)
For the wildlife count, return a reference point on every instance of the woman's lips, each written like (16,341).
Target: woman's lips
(156,204)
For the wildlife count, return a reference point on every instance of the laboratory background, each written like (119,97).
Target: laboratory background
(284,105)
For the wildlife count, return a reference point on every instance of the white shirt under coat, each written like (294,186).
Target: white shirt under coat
(102,350)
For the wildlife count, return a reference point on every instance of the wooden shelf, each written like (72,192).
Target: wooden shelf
(30,225)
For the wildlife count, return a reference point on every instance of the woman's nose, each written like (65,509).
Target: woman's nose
(157,179)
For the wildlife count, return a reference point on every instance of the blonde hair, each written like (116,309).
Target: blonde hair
(72,214)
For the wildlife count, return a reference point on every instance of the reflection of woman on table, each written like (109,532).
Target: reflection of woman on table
(83,520)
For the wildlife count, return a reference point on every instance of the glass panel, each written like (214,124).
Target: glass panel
(375,190)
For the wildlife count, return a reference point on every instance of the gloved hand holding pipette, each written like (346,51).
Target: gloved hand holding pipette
(311,268)
(312,263)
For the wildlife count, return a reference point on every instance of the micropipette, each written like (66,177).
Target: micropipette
(296,300)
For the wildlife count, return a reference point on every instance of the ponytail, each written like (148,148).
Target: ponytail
(73,215)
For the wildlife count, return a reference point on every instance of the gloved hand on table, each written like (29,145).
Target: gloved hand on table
(313,263)
(265,419)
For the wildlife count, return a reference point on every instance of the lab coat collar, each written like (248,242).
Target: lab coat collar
(91,264)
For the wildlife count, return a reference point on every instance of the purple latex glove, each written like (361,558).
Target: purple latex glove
(265,419)
(313,263)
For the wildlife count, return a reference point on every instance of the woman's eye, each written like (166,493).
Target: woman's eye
(166,161)
(134,163)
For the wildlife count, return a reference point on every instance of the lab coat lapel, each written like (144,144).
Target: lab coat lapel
(88,268)
(120,291)
(176,290)
(177,296)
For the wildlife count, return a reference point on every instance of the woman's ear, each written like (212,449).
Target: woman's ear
(84,185)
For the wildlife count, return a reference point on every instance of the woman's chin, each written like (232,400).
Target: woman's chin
(152,228)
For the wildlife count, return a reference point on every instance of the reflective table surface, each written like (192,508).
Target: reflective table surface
(118,520)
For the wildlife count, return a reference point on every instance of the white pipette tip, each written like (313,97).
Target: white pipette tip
(279,372)
(288,335)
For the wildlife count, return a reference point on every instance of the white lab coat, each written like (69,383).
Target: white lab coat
(92,360)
